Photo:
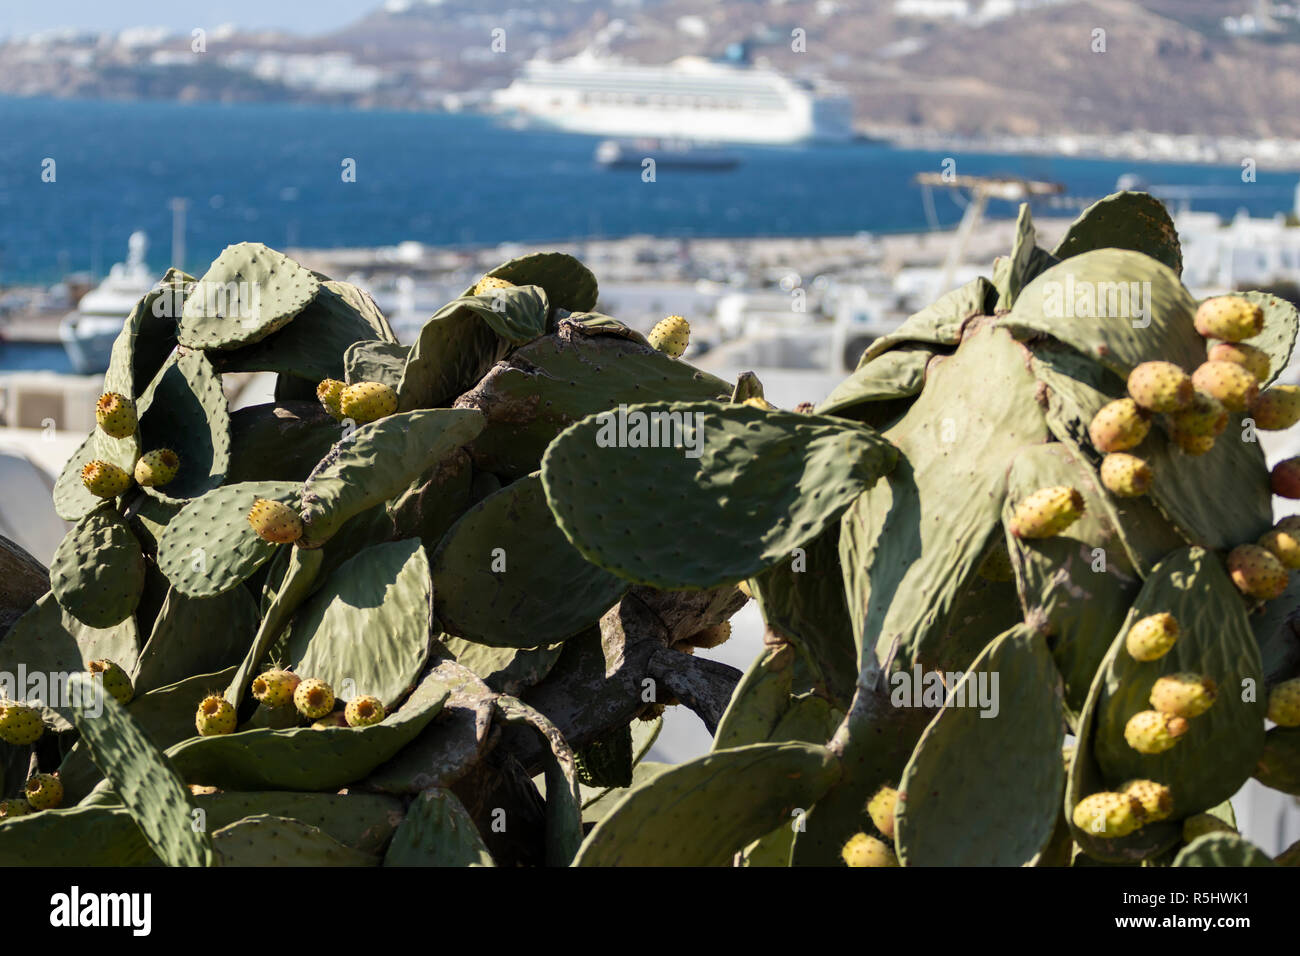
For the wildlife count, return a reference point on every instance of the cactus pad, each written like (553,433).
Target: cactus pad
(185,409)
(1124,220)
(98,570)
(437,831)
(568,283)
(249,292)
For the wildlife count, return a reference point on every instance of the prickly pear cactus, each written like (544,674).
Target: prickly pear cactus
(532,534)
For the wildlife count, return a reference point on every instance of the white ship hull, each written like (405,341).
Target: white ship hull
(688,100)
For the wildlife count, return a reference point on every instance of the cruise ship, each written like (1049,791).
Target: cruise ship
(692,98)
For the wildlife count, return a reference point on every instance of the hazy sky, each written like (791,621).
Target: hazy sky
(302,16)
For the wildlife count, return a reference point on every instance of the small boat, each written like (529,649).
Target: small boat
(88,333)
(683,154)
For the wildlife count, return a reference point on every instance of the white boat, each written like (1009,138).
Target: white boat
(692,98)
(88,333)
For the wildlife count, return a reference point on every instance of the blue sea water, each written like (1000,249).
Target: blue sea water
(273,173)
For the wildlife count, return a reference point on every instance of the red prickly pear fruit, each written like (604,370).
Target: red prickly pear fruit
(1119,426)
(1229,317)
(1125,475)
(275,521)
(115,415)
(1285,478)
(1047,512)
(1253,360)
(1160,387)
(1232,385)
(1256,572)
(1276,409)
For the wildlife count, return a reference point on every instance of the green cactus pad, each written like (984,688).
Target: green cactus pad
(209,547)
(896,374)
(305,758)
(362,821)
(310,347)
(908,546)
(72,500)
(249,292)
(375,362)
(1279,767)
(463,340)
(507,670)
(140,775)
(437,831)
(49,642)
(984,785)
(362,304)
(1080,582)
(279,441)
(746,486)
(498,570)
(802,598)
(561,378)
(940,323)
(563,807)
(759,701)
(185,409)
(1215,640)
(299,579)
(568,283)
(185,642)
(97,573)
(265,840)
(1057,303)
(1025,262)
(1124,220)
(700,813)
(1281,325)
(377,462)
(74,836)
(1222,849)
(368,623)
(147,337)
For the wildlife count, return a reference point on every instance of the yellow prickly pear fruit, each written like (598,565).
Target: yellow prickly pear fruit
(1108,815)
(670,335)
(1047,512)
(1229,317)
(1119,426)
(364,711)
(215,716)
(1160,387)
(759,402)
(116,681)
(1253,360)
(314,698)
(1284,703)
(20,724)
(14,808)
(1151,732)
(1125,475)
(367,402)
(864,850)
(157,468)
(1152,637)
(1184,694)
(1204,415)
(1232,385)
(274,688)
(1156,799)
(1283,542)
(1199,824)
(115,415)
(881,810)
(328,394)
(44,791)
(275,521)
(1256,572)
(710,637)
(491,284)
(103,479)
(1276,409)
